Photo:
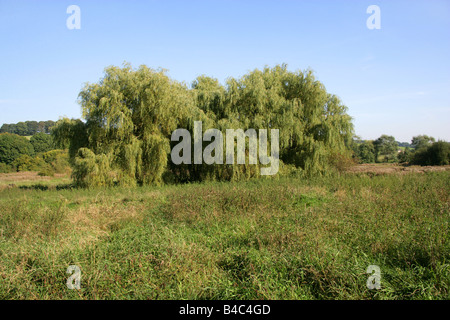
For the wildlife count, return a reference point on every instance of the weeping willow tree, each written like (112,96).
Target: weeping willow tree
(314,126)
(130,114)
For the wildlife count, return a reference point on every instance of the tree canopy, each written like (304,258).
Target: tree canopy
(13,146)
(41,142)
(130,114)
(27,128)
(435,154)
(386,146)
(422,141)
(365,152)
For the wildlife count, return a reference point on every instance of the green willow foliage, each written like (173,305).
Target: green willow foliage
(131,114)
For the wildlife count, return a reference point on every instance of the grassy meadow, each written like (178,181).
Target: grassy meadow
(286,238)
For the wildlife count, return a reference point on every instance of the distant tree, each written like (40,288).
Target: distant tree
(366,152)
(32,127)
(405,155)
(5,128)
(49,125)
(13,128)
(422,141)
(21,129)
(28,128)
(42,142)
(404,144)
(437,154)
(355,142)
(41,126)
(386,146)
(13,146)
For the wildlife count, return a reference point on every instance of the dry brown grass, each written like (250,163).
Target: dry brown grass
(24,178)
(381,168)
(27,176)
(95,222)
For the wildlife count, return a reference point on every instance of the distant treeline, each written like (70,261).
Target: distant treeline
(423,150)
(27,128)
(38,153)
(405,144)
(400,144)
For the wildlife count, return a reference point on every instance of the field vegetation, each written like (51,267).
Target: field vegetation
(275,238)
(104,194)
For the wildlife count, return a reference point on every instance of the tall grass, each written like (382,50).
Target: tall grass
(260,239)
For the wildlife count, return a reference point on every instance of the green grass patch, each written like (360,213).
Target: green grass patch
(259,239)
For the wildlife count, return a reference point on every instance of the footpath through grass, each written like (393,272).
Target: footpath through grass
(261,239)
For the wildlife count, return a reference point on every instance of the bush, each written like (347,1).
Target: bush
(41,142)
(27,163)
(5,168)
(47,171)
(405,156)
(438,154)
(58,160)
(13,146)
(341,162)
(91,170)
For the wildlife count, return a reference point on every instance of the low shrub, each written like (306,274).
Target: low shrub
(5,168)
(438,154)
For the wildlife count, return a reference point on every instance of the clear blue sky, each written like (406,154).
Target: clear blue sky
(394,81)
